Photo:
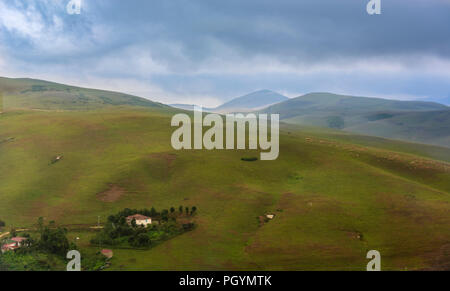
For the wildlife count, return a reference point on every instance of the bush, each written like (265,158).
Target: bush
(249,159)
(141,240)
(54,241)
(188,226)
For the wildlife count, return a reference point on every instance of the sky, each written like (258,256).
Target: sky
(207,52)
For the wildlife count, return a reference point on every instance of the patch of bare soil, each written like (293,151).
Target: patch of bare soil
(169,158)
(112,194)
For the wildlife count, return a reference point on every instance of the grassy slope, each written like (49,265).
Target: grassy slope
(43,95)
(415,121)
(327,188)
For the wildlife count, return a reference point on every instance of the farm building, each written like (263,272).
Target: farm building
(107,253)
(13,243)
(140,219)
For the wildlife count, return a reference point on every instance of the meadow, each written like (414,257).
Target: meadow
(334,195)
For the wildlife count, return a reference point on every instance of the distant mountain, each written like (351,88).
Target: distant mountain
(253,101)
(442,100)
(189,107)
(417,121)
(38,94)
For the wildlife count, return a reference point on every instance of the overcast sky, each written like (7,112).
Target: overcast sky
(209,51)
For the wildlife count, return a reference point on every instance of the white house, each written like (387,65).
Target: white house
(140,219)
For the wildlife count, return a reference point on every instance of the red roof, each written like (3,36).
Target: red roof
(19,239)
(9,246)
(137,217)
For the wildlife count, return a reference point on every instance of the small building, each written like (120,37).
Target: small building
(107,253)
(140,219)
(13,244)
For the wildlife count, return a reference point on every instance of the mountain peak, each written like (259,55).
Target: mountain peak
(253,101)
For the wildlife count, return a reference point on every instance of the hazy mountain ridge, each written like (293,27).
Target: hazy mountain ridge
(417,121)
(250,102)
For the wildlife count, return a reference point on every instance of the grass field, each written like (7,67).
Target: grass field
(335,196)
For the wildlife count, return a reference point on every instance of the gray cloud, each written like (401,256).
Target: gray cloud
(210,49)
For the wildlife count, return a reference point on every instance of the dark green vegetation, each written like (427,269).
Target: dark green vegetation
(416,121)
(45,249)
(335,195)
(249,159)
(30,261)
(118,233)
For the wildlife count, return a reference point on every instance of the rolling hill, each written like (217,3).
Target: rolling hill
(43,95)
(416,121)
(335,195)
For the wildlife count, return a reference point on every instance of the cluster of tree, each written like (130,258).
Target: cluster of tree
(118,231)
(165,215)
(140,239)
(52,240)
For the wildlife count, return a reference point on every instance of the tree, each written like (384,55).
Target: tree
(133,223)
(54,241)
(40,224)
(180,209)
(13,232)
(143,240)
(193,210)
(112,218)
(187,210)
(172,210)
(2,223)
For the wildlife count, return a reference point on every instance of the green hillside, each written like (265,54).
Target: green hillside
(335,195)
(43,95)
(416,121)
(431,127)
(333,199)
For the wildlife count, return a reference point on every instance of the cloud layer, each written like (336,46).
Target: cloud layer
(208,51)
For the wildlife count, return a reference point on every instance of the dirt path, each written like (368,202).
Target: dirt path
(4,234)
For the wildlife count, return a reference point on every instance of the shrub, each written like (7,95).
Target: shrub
(249,159)
(141,240)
